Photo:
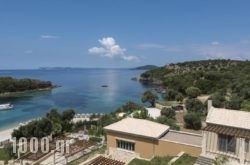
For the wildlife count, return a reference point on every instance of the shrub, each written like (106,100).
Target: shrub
(95,139)
(169,122)
(193,92)
(168,112)
(194,106)
(192,121)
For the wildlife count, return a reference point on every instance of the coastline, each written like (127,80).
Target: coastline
(9,94)
(6,134)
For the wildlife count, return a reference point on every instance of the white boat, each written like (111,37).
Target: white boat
(6,106)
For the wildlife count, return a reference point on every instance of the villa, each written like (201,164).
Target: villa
(137,138)
(227,134)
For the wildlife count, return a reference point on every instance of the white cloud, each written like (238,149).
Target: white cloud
(109,48)
(49,36)
(215,43)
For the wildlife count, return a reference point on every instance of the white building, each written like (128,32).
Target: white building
(227,133)
(154,112)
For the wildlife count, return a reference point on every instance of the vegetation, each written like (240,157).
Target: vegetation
(95,139)
(221,160)
(172,95)
(228,80)
(168,121)
(186,160)
(195,106)
(192,121)
(150,97)
(9,84)
(168,112)
(155,161)
(130,107)
(54,123)
(193,92)
(4,154)
(97,121)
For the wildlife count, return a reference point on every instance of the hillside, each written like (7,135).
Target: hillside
(11,85)
(227,81)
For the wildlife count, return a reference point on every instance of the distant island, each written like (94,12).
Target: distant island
(145,67)
(9,85)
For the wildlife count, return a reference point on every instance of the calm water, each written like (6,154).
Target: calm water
(80,89)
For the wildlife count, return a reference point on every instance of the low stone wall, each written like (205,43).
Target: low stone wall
(165,148)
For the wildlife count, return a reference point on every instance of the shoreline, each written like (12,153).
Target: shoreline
(6,134)
(9,94)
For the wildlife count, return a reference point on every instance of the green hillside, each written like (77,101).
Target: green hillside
(227,81)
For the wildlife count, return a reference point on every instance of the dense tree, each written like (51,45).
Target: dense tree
(245,105)
(168,112)
(168,121)
(106,120)
(171,94)
(55,117)
(130,107)
(66,118)
(9,84)
(142,114)
(194,106)
(193,92)
(222,78)
(53,123)
(192,121)
(234,102)
(179,97)
(218,100)
(36,128)
(150,97)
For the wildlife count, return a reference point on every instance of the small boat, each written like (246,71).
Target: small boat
(6,106)
(104,86)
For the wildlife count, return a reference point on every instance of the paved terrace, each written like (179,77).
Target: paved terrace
(183,138)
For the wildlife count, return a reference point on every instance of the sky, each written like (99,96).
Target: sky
(121,33)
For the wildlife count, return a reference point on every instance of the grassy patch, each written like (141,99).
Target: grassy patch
(4,154)
(185,160)
(139,162)
(154,161)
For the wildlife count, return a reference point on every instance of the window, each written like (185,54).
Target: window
(247,145)
(125,145)
(226,143)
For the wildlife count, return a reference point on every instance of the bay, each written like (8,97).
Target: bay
(81,90)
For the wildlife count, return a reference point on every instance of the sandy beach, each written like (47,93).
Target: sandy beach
(6,134)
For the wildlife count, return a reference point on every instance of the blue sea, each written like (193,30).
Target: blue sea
(81,90)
